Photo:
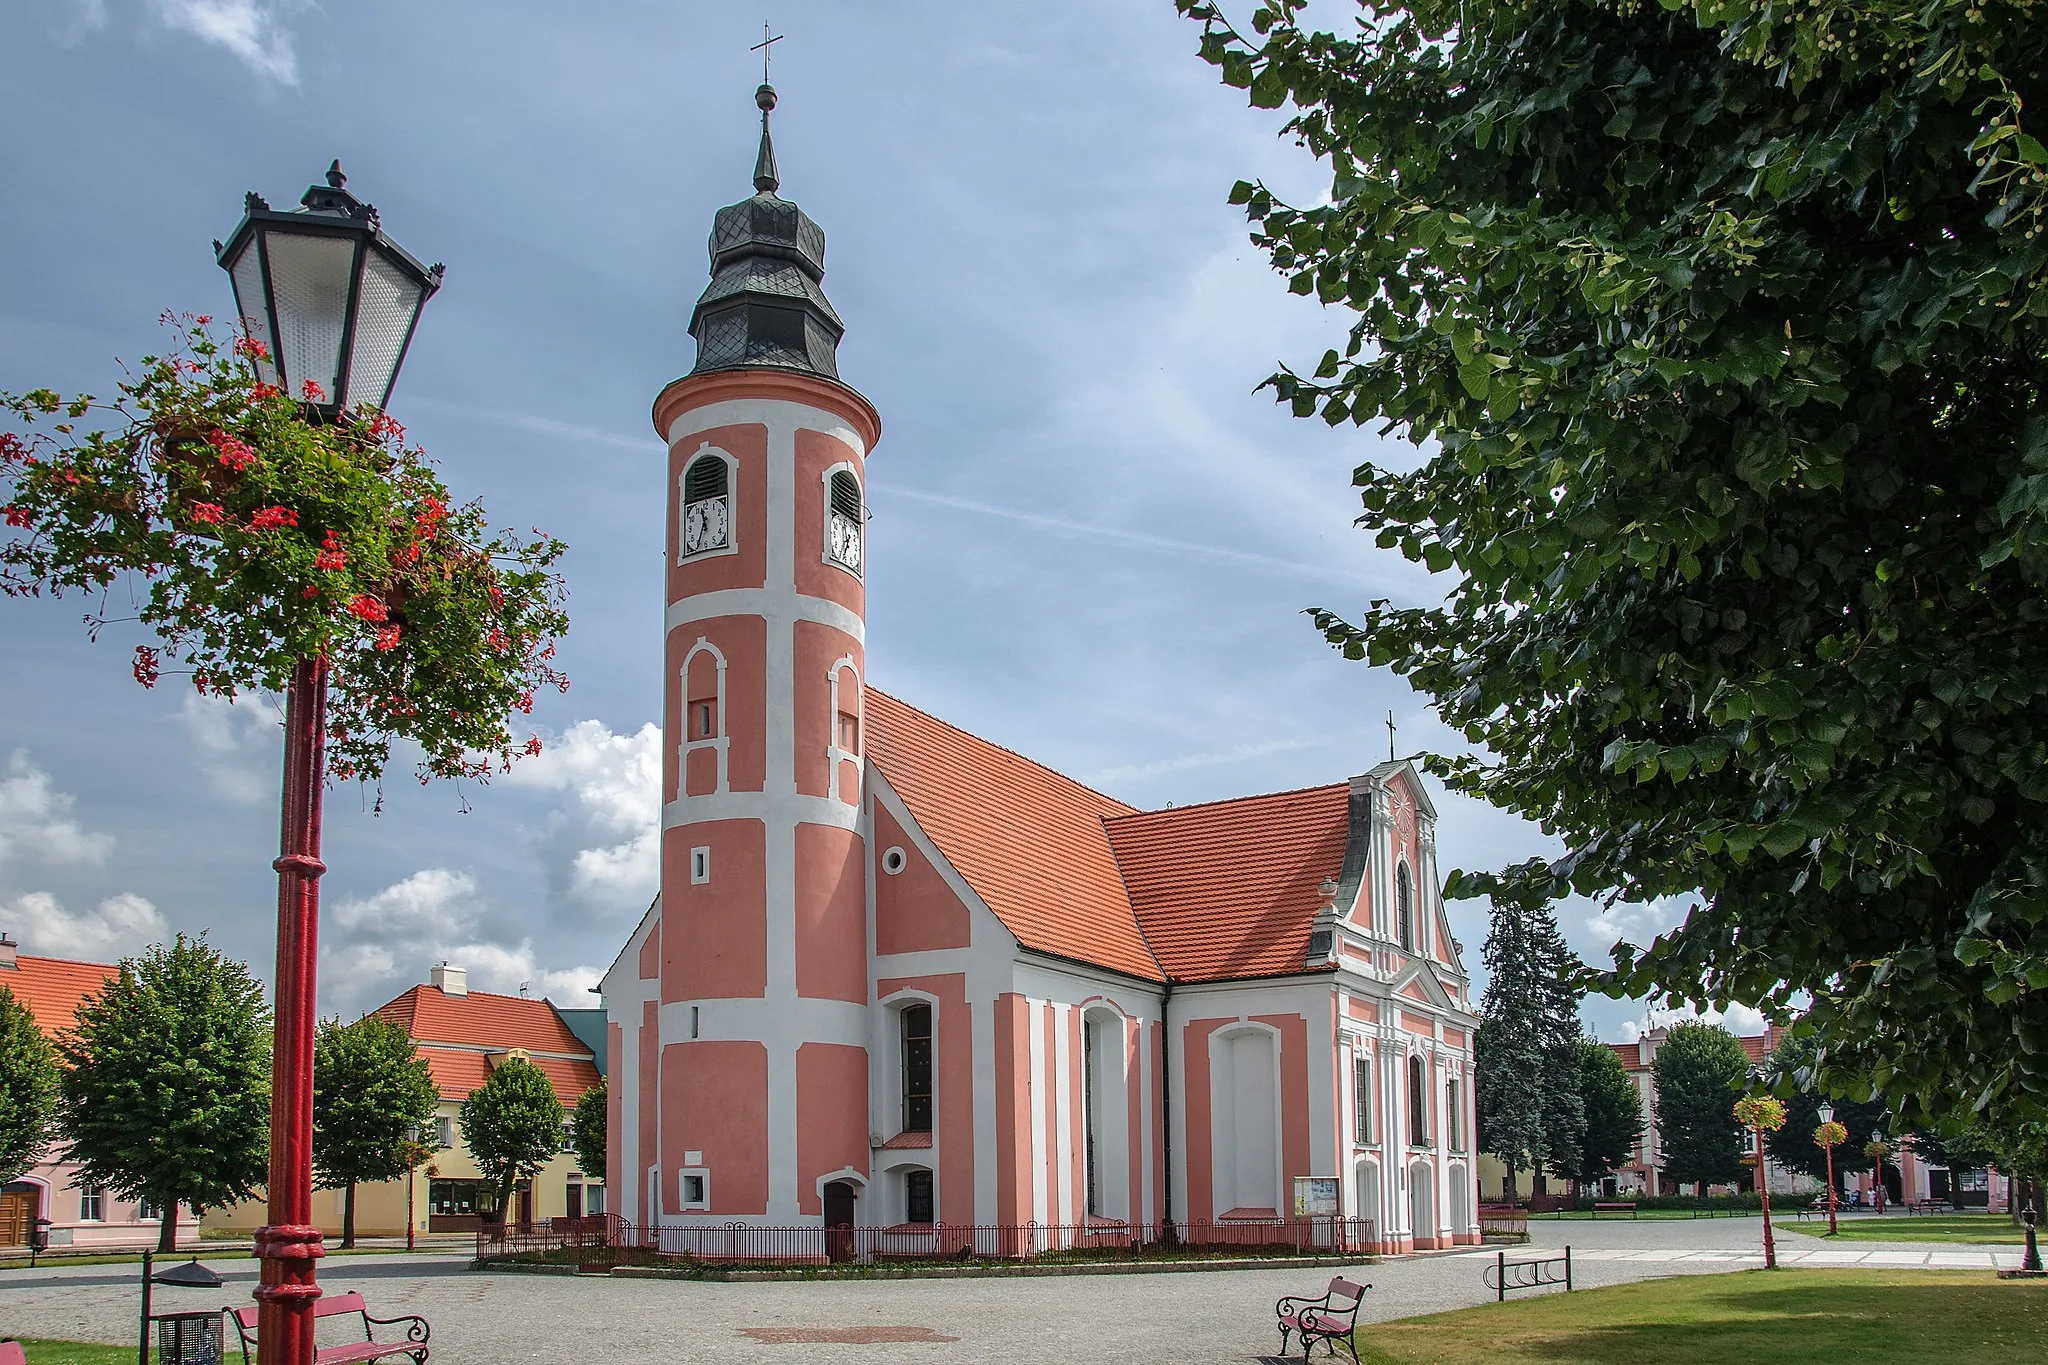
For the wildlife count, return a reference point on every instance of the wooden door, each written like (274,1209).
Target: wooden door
(18,1210)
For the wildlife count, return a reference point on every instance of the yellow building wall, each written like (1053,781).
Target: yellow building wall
(380,1207)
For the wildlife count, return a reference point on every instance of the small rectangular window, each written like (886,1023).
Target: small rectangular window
(849,733)
(703,719)
(444,1132)
(92,1206)
(693,1021)
(700,866)
(917,1196)
(693,1192)
(1454,1122)
(568,1136)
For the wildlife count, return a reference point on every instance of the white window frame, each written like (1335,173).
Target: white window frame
(718,742)
(700,1204)
(700,865)
(833,753)
(825,522)
(732,505)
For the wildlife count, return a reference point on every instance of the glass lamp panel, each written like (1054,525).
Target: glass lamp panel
(385,307)
(247,274)
(309,279)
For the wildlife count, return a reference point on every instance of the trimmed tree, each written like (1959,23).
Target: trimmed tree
(371,1091)
(165,1092)
(1700,1070)
(1722,325)
(589,1128)
(1526,1098)
(512,1125)
(1614,1113)
(28,1088)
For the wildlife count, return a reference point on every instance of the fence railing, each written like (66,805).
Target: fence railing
(605,1240)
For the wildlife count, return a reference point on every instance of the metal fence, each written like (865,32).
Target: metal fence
(605,1240)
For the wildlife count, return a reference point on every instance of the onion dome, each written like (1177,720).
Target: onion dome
(764,307)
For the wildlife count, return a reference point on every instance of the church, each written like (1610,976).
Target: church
(899,977)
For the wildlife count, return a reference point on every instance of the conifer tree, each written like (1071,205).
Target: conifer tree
(28,1088)
(371,1092)
(1527,1051)
(1699,1071)
(165,1091)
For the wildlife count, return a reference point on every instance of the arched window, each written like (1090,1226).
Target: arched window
(707,505)
(1418,1105)
(1404,909)
(843,522)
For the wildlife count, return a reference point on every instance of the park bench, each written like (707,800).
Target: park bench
(1615,1206)
(1328,1319)
(349,1353)
(1927,1206)
(1503,1220)
(10,1353)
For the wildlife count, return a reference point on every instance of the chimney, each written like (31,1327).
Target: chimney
(7,958)
(450,980)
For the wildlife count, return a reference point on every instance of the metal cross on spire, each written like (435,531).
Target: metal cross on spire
(764,49)
(1390,736)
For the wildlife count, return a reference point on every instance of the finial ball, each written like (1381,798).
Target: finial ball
(765,97)
(335,179)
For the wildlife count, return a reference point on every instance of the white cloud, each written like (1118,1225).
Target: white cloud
(35,823)
(1740,1020)
(247,28)
(239,743)
(381,943)
(119,926)
(613,825)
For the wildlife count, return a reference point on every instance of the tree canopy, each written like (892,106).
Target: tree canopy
(589,1128)
(1723,326)
(1526,1056)
(1614,1113)
(165,1092)
(28,1087)
(1792,1146)
(372,1091)
(512,1125)
(1699,1072)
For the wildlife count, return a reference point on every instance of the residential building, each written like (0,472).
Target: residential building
(899,975)
(81,1216)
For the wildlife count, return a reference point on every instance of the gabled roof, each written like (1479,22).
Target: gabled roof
(470,1028)
(1030,842)
(54,987)
(1228,888)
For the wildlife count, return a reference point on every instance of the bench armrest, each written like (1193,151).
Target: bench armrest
(416,1326)
(1292,1304)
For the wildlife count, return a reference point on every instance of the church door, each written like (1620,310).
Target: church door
(839,1221)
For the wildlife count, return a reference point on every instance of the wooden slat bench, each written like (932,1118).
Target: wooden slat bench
(1615,1206)
(348,1353)
(1503,1220)
(1328,1319)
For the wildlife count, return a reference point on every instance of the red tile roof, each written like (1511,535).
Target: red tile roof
(1029,841)
(1228,888)
(481,1020)
(54,987)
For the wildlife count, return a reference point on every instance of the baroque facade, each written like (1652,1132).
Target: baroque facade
(899,976)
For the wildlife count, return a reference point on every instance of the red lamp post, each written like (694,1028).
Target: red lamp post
(335,302)
(1827,1119)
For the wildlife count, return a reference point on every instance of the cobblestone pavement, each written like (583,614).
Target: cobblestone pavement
(1210,1318)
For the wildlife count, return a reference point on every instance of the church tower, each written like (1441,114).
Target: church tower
(763,1065)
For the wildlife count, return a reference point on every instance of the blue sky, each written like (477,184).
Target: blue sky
(1092,541)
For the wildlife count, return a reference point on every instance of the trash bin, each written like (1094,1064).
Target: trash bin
(189,1338)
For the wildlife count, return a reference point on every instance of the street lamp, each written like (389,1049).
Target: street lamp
(1825,1135)
(335,301)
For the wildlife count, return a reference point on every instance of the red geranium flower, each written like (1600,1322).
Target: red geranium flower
(210,513)
(252,348)
(366,607)
(270,518)
(145,665)
(312,392)
(387,638)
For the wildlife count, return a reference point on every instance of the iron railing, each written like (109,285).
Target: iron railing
(604,1240)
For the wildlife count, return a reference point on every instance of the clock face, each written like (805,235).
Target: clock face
(845,542)
(704,525)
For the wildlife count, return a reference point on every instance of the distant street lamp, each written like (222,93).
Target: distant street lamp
(1757,1113)
(1827,1135)
(1877,1150)
(334,301)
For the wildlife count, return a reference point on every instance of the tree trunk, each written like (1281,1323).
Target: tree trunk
(348,1217)
(167,1230)
(1699,1189)
(1508,1187)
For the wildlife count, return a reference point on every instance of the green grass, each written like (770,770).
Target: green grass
(1979,1228)
(1751,1317)
(76,1353)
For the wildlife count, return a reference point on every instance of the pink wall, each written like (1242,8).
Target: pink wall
(744,642)
(1134,1120)
(650,1098)
(714,938)
(749,567)
(715,1101)
(831,915)
(1201,1157)
(953,1073)
(815,453)
(1077,1155)
(650,953)
(915,911)
(1152,1034)
(1049,1098)
(816,648)
(1013,1108)
(831,1117)
(1294,1135)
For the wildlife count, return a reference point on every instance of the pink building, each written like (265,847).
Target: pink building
(81,1216)
(897,975)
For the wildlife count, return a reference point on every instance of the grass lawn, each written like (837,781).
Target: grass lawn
(77,1353)
(1981,1228)
(1749,1317)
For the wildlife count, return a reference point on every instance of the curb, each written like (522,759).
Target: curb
(936,1272)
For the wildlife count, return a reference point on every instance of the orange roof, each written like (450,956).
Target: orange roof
(54,987)
(480,1022)
(1228,888)
(1030,842)
(1631,1054)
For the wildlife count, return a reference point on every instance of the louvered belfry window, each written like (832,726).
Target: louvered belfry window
(707,506)
(843,522)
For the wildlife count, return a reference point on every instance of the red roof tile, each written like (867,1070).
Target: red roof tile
(1228,888)
(482,1020)
(54,987)
(1029,841)
(457,1072)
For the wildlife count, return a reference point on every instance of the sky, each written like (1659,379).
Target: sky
(1092,541)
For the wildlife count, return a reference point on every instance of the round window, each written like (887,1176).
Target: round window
(893,861)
